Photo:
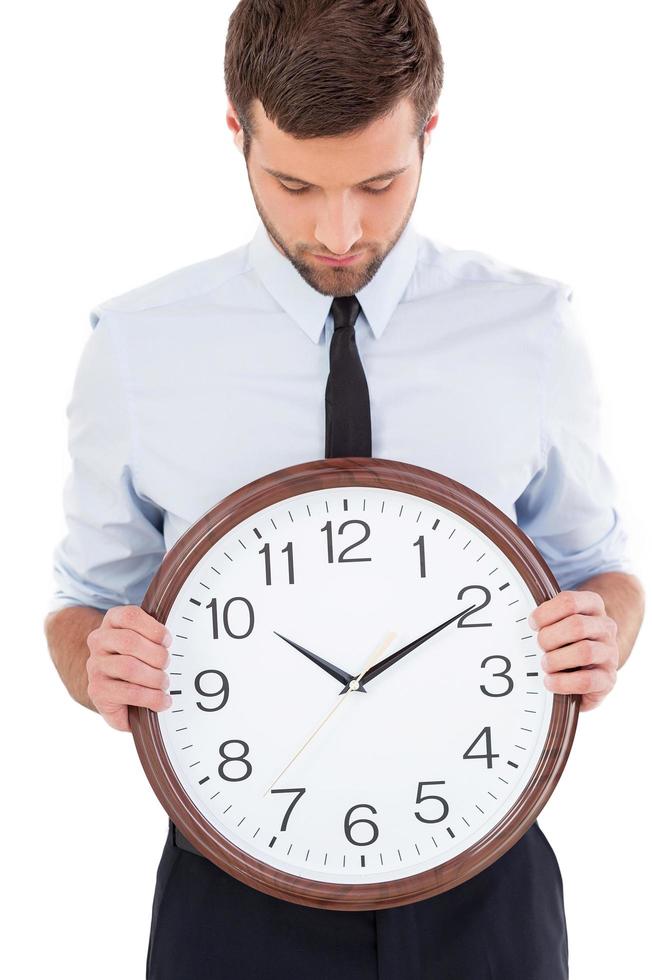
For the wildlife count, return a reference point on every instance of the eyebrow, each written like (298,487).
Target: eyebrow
(369,180)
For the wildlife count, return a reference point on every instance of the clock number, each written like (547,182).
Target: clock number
(472,612)
(328,527)
(223,691)
(420,543)
(502,673)
(292,805)
(420,798)
(265,550)
(488,755)
(228,760)
(350,824)
(212,605)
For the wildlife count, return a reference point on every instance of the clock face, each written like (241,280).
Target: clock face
(318,779)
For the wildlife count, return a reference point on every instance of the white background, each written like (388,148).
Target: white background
(118,168)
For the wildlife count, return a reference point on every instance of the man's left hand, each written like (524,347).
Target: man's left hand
(575,632)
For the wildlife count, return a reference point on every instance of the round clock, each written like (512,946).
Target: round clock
(359,718)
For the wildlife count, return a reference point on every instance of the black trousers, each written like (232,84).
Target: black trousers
(507,923)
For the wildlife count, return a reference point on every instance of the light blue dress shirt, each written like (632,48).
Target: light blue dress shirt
(214,375)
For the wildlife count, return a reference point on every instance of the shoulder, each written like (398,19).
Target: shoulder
(179,288)
(443,266)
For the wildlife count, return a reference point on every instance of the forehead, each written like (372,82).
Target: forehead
(328,161)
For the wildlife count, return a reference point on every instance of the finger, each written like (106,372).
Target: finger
(584,681)
(576,627)
(590,701)
(108,694)
(127,641)
(125,668)
(581,654)
(135,618)
(565,604)
(118,718)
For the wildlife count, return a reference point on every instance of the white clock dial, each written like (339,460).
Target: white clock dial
(407,772)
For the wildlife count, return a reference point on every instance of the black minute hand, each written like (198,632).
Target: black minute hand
(399,654)
(336,672)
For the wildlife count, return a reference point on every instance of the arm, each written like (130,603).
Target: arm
(108,652)
(66,632)
(624,602)
(109,660)
(586,631)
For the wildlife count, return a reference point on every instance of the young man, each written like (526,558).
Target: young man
(214,375)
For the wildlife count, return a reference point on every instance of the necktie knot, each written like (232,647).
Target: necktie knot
(345,310)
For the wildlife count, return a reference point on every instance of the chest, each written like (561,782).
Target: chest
(234,406)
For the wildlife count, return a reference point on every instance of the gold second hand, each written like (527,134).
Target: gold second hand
(353,686)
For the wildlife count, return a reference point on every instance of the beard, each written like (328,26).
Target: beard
(330,280)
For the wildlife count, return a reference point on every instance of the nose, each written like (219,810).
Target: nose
(338,227)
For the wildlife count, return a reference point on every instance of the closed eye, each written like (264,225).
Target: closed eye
(366,190)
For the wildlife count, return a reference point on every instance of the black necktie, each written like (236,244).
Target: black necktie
(348,416)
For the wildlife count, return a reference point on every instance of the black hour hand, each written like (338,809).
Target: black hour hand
(340,675)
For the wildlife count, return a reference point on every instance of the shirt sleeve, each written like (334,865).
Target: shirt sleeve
(114,539)
(569,507)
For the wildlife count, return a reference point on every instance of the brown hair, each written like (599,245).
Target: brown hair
(329,67)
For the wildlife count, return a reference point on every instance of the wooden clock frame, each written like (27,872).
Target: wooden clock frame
(191,548)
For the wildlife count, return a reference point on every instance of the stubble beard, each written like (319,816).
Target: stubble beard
(332,281)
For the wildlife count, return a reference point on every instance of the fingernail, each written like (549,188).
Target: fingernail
(531,622)
(167,639)
(168,700)
(167,662)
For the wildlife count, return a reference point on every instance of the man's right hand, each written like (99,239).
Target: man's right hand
(128,657)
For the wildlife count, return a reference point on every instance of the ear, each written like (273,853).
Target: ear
(233,124)
(430,125)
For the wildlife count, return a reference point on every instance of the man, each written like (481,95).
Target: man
(214,375)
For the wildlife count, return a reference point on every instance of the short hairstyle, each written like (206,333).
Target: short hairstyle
(330,67)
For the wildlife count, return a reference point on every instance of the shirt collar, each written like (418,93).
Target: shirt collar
(310,308)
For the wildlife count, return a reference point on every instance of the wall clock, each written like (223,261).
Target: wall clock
(359,718)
